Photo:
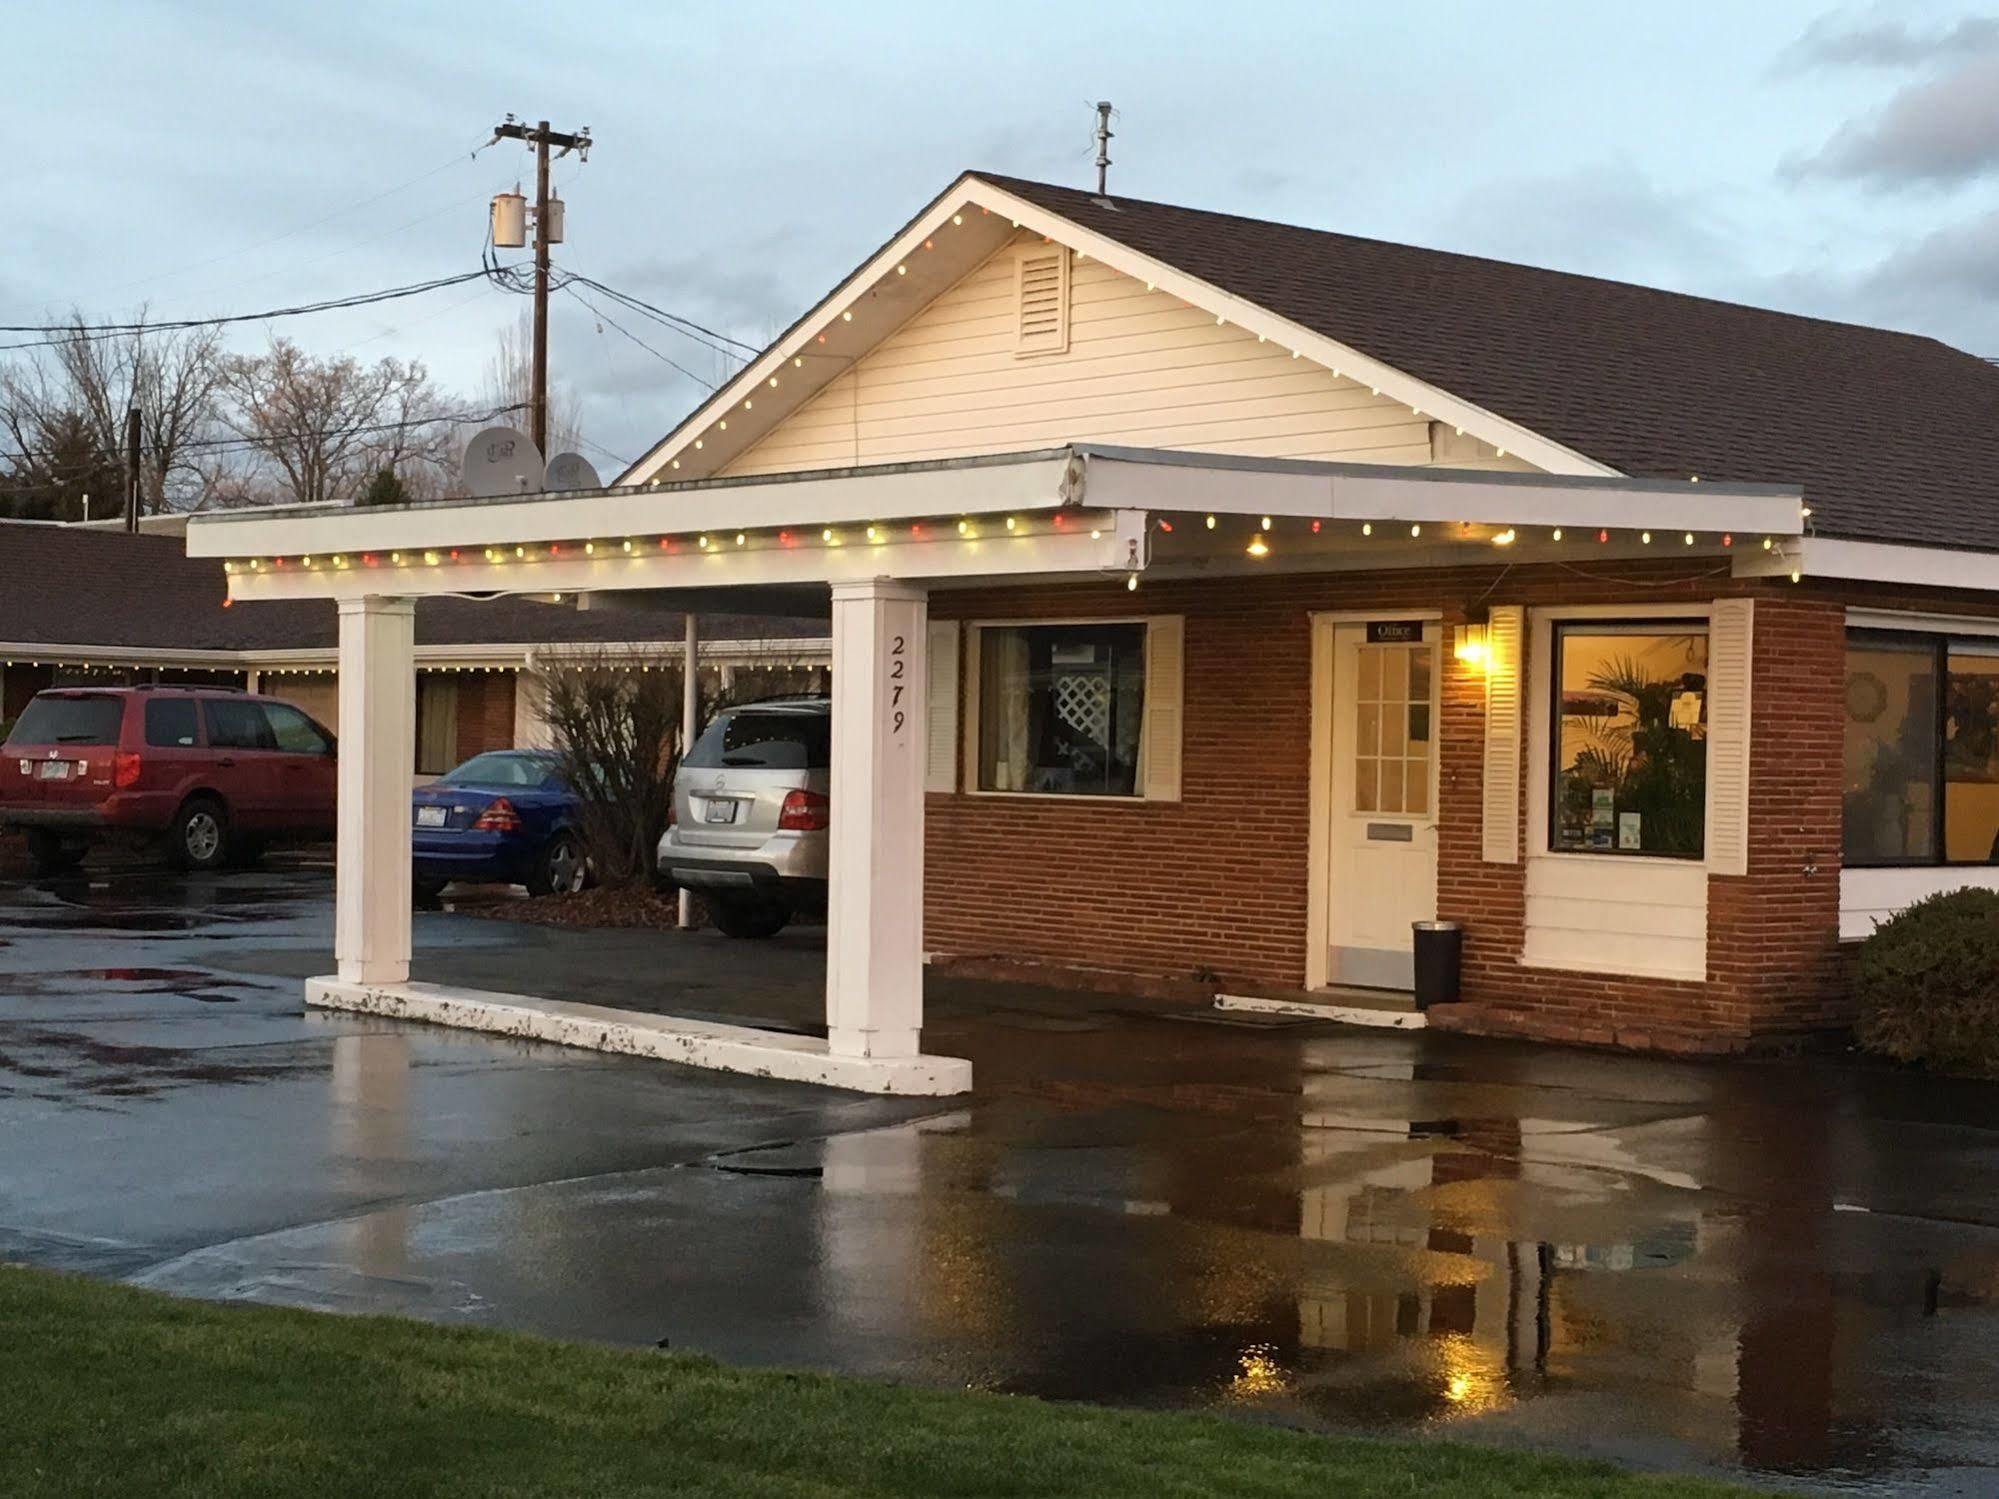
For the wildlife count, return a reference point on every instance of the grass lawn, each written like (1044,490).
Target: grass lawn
(109,1390)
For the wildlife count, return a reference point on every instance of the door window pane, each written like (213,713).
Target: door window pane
(1890,788)
(1061,708)
(170,722)
(1392,685)
(1971,757)
(1630,771)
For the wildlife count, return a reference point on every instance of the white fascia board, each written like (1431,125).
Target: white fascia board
(1085,542)
(15,653)
(1334,491)
(1876,562)
(1425,399)
(729,505)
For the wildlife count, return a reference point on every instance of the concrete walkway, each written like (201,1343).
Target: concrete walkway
(1785,1268)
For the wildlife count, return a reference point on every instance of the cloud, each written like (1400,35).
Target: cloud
(1608,219)
(1955,267)
(1940,131)
(1831,41)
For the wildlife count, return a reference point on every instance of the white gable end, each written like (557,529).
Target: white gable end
(1135,367)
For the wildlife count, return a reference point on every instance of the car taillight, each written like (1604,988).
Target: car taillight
(125,768)
(805,812)
(499,817)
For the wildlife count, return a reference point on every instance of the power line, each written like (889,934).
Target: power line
(570,287)
(95,332)
(671,319)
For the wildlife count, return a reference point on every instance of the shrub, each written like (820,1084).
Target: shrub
(1927,983)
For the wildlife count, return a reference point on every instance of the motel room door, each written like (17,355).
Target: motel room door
(1382,844)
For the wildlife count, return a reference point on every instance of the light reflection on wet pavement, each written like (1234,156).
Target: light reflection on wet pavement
(1784,1269)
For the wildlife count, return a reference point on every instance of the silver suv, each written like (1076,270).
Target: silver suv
(750,810)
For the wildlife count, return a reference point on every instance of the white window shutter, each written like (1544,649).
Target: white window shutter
(1041,301)
(1505,633)
(1731,629)
(1165,652)
(940,763)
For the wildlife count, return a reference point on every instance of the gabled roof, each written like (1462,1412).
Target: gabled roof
(1894,437)
(72,586)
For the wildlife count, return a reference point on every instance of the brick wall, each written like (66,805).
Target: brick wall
(1213,887)
(485,712)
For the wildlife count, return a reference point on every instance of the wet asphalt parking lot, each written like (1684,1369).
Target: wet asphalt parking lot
(1786,1271)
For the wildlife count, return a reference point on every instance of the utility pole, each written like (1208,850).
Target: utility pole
(132,437)
(546,233)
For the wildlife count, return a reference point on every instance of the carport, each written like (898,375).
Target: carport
(880,540)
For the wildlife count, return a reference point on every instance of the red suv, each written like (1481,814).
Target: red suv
(215,772)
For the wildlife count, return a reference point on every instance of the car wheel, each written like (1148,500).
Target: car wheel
(48,854)
(199,838)
(561,867)
(748,918)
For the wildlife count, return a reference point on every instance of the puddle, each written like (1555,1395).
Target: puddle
(185,983)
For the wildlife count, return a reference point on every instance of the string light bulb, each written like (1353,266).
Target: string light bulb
(1131,583)
(742,539)
(1416,529)
(1266,523)
(1646,537)
(1009,523)
(1689,538)
(1211,523)
(1558,533)
(1367,528)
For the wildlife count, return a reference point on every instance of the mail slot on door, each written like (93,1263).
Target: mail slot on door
(1390,832)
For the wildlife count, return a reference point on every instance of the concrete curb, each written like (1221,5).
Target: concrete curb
(665,1038)
(1386,1019)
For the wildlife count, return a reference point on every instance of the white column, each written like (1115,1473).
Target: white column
(371,919)
(690,722)
(874,924)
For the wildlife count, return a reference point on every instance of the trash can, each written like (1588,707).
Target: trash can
(1440,949)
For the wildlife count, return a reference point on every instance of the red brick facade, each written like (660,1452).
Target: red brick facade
(1212,889)
(485,712)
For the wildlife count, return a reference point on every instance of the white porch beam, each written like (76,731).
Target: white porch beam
(371,914)
(1036,548)
(805,503)
(874,923)
(1876,562)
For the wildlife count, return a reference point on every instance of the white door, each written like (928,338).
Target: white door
(1383,839)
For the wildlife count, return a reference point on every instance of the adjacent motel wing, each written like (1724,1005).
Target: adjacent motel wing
(1213,600)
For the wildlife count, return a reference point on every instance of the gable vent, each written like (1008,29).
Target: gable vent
(1041,302)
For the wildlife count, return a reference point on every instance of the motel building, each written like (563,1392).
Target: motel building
(1213,599)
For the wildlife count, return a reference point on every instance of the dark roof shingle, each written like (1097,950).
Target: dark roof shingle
(1895,437)
(67,585)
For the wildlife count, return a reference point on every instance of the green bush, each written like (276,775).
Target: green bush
(1927,983)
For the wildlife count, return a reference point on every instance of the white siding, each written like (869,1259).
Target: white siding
(1596,913)
(1868,897)
(1141,368)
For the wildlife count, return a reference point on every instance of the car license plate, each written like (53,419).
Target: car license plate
(430,817)
(53,770)
(720,811)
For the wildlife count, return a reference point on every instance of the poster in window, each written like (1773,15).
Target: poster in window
(1631,831)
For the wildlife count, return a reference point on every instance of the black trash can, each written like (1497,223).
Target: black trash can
(1440,951)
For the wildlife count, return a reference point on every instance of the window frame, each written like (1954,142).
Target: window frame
(973,659)
(1938,643)
(1618,624)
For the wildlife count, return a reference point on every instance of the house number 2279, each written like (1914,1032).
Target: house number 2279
(898,669)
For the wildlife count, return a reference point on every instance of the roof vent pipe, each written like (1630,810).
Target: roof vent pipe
(1103,145)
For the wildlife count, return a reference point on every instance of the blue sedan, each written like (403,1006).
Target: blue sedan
(505,816)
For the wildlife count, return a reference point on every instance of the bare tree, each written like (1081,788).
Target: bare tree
(90,377)
(510,382)
(318,428)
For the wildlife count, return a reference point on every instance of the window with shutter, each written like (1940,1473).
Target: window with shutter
(1041,281)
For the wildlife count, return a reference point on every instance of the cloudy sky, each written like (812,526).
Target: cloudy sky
(222,156)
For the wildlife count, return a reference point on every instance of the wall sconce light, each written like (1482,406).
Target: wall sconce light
(1471,646)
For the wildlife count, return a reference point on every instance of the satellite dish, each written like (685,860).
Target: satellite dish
(568,471)
(500,461)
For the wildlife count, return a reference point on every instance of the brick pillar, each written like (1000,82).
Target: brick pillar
(1773,935)
(1490,900)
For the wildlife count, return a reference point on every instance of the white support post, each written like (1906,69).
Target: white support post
(690,723)
(874,924)
(371,922)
